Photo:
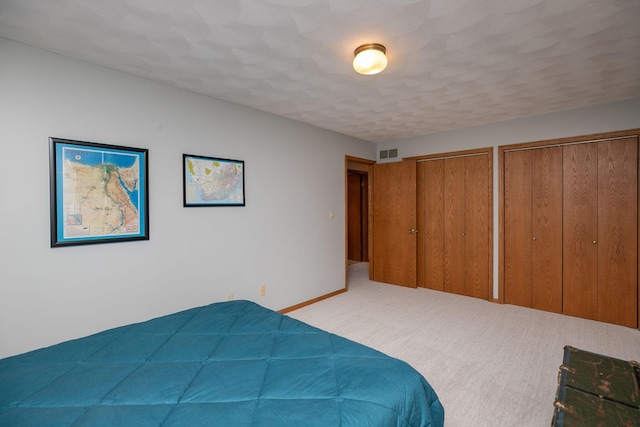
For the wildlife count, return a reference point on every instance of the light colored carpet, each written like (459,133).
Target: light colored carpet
(491,364)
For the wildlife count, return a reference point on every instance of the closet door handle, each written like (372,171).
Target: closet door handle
(595,242)
(534,238)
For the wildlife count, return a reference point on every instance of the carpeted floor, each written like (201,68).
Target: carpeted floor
(492,365)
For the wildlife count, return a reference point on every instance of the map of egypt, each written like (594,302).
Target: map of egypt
(101,193)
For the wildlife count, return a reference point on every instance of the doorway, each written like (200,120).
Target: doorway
(356,211)
(357,217)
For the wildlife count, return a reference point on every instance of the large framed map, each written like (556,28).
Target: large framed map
(99,193)
(211,181)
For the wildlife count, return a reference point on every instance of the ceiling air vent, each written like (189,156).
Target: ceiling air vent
(393,153)
(384,154)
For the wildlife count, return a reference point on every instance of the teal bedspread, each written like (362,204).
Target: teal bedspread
(226,364)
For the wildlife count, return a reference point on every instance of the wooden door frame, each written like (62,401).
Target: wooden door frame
(347,160)
(545,143)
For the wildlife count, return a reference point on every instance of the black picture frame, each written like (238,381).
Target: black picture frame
(99,193)
(212,181)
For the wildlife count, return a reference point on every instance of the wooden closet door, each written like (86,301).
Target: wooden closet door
(518,219)
(546,229)
(580,230)
(617,231)
(454,225)
(476,226)
(431,224)
(533,228)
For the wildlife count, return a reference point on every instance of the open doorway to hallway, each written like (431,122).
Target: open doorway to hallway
(356,211)
(357,216)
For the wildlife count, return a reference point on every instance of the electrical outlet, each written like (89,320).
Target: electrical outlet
(263,290)
(229,297)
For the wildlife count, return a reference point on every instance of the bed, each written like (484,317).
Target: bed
(233,363)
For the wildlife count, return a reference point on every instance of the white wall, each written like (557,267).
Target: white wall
(584,121)
(283,238)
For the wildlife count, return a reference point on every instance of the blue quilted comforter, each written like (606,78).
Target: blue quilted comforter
(226,364)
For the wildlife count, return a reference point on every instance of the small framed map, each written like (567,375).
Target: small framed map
(99,193)
(210,181)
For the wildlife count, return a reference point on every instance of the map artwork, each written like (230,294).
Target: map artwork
(211,181)
(101,193)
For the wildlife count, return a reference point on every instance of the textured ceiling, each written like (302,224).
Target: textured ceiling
(452,63)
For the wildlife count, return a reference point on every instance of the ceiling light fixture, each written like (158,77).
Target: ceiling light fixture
(370,59)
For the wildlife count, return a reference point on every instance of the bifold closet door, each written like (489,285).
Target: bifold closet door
(477,216)
(618,231)
(580,230)
(546,256)
(600,230)
(454,225)
(466,225)
(517,227)
(430,175)
(533,228)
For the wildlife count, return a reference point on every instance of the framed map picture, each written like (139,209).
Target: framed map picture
(210,181)
(99,193)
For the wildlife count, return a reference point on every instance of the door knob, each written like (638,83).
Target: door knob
(411,231)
